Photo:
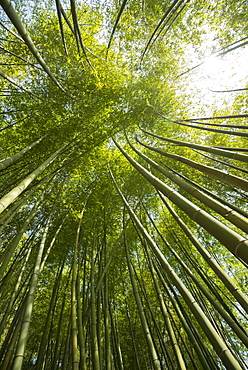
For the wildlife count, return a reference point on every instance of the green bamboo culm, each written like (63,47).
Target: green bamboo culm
(217,342)
(6,200)
(20,349)
(15,19)
(234,242)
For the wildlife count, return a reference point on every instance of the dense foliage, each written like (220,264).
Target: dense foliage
(123,199)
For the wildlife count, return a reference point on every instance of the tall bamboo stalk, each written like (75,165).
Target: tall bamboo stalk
(175,346)
(6,162)
(116,342)
(39,365)
(228,282)
(150,343)
(10,349)
(236,329)
(94,339)
(215,150)
(81,329)
(19,357)
(56,357)
(16,21)
(217,342)
(232,216)
(230,179)
(74,344)
(12,246)
(15,292)
(15,192)
(236,243)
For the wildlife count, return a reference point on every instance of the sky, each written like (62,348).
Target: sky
(216,73)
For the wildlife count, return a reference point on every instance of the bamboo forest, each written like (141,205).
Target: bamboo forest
(123,177)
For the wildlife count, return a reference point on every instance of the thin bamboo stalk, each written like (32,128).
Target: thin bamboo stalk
(11,346)
(168,11)
(56,357)
(95,349)
(6,162)
(234,242)
(137,361)
(39,365)
(58,7)
(118,357)
(13,16)
(241,335)
(19,357)
(175,346)
(108,363)
(147,333)
(230,179)
(124,2)
(203,353)
(15,292)
(81,329)
(14,193)
(74,344)
(218,344)
(225,152)
(12,246)
(228,282)
(232,216)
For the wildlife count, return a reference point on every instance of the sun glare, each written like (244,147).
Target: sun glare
(214,75)
(225,73)
(212,69)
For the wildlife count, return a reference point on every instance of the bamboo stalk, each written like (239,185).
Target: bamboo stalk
(218,344)
(14,193)
(19,357)
(232,216)
(234,242)
(13,16)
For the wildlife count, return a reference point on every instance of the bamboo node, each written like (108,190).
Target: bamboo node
(2,205)
(229,212)
(223,352)
(193,218)
(169,193)
(235,252)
